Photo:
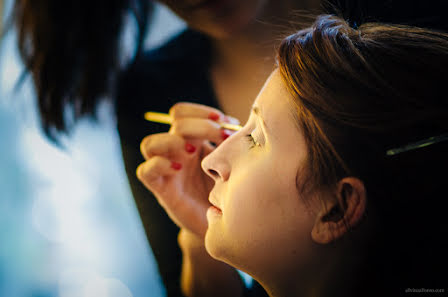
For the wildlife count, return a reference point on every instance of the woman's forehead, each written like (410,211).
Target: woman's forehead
(274,99)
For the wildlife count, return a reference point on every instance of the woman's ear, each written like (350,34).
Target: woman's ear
(337,216)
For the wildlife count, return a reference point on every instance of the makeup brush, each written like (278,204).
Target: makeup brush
(165,118)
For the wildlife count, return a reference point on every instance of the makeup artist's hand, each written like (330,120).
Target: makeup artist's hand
(172,170)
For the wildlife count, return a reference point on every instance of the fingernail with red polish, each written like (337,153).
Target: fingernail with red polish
(224,134)
(213,116)
(190,148)
(176,166)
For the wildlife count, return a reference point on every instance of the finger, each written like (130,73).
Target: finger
(196,128)
(231,120)
(207,148)
(194,110)
(163,144)
(152,171)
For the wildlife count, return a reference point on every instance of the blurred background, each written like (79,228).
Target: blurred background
(68,223)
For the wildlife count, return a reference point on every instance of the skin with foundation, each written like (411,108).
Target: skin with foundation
(260,210)
(260,222)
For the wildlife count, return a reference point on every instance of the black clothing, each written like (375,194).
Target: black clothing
(176,72)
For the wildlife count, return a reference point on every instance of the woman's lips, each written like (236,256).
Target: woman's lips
(214,206)
(215,210)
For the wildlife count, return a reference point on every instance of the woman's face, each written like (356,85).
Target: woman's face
(260,223)
(216,18)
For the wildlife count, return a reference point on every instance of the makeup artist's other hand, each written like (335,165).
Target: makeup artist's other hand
(172,170)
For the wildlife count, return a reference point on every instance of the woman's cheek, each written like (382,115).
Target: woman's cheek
(249,201)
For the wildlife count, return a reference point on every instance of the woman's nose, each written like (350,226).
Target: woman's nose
(215,167)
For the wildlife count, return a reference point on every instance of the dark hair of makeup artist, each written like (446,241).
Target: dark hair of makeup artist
(71,48)
(357,94)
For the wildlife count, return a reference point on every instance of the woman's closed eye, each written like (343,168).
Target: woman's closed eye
(252,141)
(255,138)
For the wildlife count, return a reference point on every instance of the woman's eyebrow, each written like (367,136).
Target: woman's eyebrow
(257,110)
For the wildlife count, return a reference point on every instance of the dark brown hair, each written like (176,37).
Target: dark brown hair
(359,92)
(72,48)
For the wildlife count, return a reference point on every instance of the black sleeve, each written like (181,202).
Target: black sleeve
(173,73)
(132,101)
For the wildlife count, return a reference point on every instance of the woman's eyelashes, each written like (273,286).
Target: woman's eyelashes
(254,141)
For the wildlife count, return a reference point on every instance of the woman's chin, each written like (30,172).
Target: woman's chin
(213,244)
